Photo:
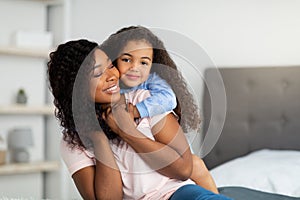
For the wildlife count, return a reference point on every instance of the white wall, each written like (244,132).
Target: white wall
(233,32)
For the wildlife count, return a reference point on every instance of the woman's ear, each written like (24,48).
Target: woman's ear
(106,113)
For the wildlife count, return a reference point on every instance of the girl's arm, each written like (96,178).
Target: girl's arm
(169,153)
(103,180)
(162,97)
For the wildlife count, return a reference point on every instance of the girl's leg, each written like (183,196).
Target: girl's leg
(195,192)
(201,176)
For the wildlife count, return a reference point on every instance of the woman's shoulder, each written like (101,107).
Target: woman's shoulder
(67,149)
(75,158)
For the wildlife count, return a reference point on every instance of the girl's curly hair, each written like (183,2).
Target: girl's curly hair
(163,65)
(63,69)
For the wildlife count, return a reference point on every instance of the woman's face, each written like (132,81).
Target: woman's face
(134,62)
(104,87)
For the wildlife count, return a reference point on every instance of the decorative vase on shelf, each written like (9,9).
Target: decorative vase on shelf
(19,140)
(21,97)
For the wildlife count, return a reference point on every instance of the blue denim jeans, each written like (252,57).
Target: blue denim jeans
(195,192)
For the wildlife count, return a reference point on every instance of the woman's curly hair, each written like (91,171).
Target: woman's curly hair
(63,69)
(163,65)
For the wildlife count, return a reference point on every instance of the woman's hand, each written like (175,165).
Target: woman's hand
(120,118)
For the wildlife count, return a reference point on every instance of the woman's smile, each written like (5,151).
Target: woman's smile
(112,89)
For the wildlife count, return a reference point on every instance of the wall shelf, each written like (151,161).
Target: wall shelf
(50,2)
(28,52)
(31,167)
(26,110)
(46,2)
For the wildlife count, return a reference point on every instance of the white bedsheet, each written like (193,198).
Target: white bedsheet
(275,171)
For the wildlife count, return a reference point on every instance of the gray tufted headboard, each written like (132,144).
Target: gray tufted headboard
(263,111)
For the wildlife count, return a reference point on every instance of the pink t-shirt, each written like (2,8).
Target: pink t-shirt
(139,180)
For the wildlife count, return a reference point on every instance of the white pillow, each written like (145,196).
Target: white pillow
(275,171)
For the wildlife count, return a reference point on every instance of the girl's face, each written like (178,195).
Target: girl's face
(104,86)
(134,62)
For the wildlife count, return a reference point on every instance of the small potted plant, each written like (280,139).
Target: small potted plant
(21,96)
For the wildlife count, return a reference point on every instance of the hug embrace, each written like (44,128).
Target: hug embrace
(124,109)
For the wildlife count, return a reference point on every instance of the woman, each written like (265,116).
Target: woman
(133,163)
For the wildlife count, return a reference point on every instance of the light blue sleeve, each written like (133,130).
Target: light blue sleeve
(162,97)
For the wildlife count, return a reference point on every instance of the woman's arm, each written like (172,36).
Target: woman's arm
(169,133)
(84,181)
(169,153)
(102,181)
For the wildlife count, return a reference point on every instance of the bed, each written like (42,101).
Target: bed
(257,153)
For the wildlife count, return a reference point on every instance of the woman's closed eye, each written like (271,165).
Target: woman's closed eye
(111,66)
(98,71)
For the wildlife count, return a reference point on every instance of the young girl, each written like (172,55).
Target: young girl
(138,55)
(133,165)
